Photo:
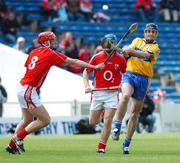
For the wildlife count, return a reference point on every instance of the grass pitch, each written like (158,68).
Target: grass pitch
(145,148)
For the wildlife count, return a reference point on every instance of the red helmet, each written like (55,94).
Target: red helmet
(46,36)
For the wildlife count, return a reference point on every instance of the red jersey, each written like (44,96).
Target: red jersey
(110,76)
(38,65)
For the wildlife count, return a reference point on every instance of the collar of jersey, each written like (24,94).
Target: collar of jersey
(154,42)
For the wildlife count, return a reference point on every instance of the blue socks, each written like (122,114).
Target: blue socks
(126,142)
(117,125)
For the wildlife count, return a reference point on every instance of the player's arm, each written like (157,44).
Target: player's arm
(86,82)
(128,51)
(84,64)
(131,50)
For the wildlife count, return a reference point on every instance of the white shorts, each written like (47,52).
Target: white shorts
(28,97)
(104,100)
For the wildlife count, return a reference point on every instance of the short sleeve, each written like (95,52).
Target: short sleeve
(134,43)
(27,61)
(156,52)
(58,58)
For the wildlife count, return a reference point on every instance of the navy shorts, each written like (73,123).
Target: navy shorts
(138,82)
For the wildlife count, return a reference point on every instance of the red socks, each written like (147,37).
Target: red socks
(21,134)
(101,146)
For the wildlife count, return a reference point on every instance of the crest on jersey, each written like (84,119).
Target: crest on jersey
(116,66)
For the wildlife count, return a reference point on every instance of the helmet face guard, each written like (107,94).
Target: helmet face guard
(108,41)
(46,36)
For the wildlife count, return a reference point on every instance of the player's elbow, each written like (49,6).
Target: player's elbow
(85,75)
(148,55)
(71,61)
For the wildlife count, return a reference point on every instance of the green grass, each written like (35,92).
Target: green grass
(145,148)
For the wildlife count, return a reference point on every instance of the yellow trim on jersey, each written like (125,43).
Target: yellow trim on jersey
(143,66)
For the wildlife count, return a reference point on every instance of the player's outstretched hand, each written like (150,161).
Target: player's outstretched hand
(88,89)
(99,66)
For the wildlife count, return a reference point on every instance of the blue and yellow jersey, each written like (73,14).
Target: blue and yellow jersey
(143,66)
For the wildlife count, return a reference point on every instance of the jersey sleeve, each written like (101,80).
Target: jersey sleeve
(58,58)
(156,52)
(26,63)
(134,43)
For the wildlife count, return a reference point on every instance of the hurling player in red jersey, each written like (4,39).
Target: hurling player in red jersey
(37,66)
(105,101)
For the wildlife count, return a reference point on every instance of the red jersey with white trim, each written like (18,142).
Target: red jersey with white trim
(38,64)
(110,76)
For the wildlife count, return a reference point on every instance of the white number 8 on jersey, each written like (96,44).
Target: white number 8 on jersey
(33,62)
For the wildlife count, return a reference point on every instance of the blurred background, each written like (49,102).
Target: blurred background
(79,26)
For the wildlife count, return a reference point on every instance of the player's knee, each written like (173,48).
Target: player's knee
(125,98)
(46,120)
(93,121)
